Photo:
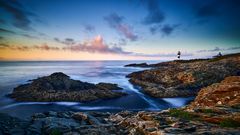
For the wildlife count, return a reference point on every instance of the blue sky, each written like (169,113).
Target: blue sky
(125,29)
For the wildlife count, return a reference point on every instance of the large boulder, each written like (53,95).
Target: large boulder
(60,87)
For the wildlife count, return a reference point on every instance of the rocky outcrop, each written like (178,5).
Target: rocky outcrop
(172,121)
(226,93)
(137,65)
(203,116)
(59,87)
(219,103)
(58,123)
(11,125)
(185,77)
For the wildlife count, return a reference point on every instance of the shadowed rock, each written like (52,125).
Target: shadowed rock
(137,65)
(59,87)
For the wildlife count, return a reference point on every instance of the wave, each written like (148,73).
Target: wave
(40,103)
(177,102)
(88,108)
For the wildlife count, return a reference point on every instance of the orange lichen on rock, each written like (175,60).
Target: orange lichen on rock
(225,93)
(185,77)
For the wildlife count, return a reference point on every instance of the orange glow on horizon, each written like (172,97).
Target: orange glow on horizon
(30,55)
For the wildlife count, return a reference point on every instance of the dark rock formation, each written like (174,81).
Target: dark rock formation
(172,121)
(137,65)
(11,126)
(58,123)
(185,77)
(59,87)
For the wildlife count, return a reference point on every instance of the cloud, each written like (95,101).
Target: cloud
(7,31)
(122,42)
(19,34)
(29,36)
(207,10)
(44,47)
(228,9)
(69,41)
(20,48)
(215,49)
(154,29)
(2,45)
(2,21)
(233,48)
(218,49)
(116,22)
(97,45)
(66,41)
(155,15)
(89,28)
(165,30)
(21,18)
(168,29)
(42,34)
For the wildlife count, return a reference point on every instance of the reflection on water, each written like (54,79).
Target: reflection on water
(15,73)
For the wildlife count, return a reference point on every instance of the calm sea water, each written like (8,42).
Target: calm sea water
(13,74)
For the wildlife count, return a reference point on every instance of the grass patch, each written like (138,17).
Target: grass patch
(207,111)
(191,60)
(229,123)
(236,106)
(55,132)
(181,114)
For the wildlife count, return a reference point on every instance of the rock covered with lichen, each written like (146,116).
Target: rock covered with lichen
(60,87)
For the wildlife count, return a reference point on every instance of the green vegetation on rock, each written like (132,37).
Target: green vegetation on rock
(229,123)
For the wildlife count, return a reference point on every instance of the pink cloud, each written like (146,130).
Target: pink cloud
(123,28)
(27,48)
(116,22)
(46,47)
(96,45)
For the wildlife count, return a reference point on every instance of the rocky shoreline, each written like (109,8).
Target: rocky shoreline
(215,110)
(218,113)
(59,87)
(184,78)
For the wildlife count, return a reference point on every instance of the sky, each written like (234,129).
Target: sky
(118,29)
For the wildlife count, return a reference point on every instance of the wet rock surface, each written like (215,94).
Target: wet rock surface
(172,121)
(185,77)
(52,123)
(202,116)
(59,87)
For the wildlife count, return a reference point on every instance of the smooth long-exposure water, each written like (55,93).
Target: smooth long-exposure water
(13,74)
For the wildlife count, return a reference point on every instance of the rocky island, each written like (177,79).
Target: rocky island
(59,87)
(181,78)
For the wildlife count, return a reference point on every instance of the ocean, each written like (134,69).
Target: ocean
(13,74)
